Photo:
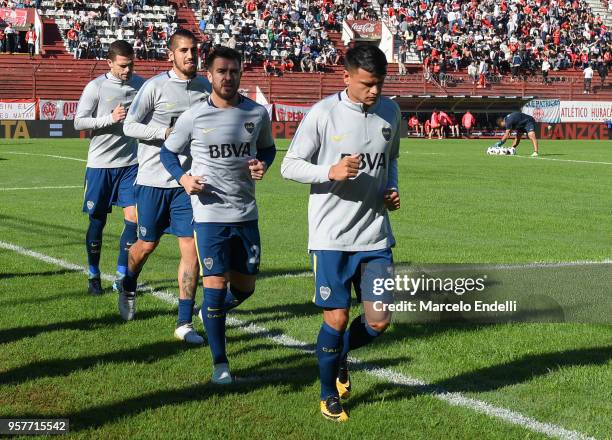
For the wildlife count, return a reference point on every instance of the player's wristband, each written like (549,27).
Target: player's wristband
(266,155)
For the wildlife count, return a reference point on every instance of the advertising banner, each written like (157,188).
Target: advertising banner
(17,17)
(290,113)
(57,110)
(544,110)
(18,109)
(586,111)
(365,29)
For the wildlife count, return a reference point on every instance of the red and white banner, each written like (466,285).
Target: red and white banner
(290,113)
(365,29)
(586,111)
(57,110)
(18,109)
(17,17)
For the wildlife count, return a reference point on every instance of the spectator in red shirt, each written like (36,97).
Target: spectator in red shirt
(31,39)
(445,121)
(415,124)
(468,121)
(72,39)
(434,123)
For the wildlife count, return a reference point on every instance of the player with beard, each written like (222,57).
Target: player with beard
(230,140)
(162,205)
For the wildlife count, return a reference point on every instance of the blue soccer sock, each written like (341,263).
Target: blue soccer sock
(235,297)
(358,334)
(93,243)
(127,239)
(214,322)
(329,348)
(130,281)
(185,311)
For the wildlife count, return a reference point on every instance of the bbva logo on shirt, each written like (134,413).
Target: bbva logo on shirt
(370,161)
(243,149)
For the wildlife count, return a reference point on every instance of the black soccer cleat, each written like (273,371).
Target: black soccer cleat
(331,409)
(95,286)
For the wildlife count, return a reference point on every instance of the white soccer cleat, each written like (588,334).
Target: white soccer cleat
(127,305)
(221,375)
(186,333)
(535,154)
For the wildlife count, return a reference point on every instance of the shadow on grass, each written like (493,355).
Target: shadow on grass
(48,273)
(144,354)
(491,378)
(276,312)
(295,373)
(18,333)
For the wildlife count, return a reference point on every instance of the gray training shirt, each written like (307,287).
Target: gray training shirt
(347,215)
(161,100)
(223,140)
(109,147)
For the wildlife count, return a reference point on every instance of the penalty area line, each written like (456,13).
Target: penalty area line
(385,374)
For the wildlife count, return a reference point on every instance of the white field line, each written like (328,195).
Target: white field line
(44,155)
(386,374)
(34,188)
(562,160)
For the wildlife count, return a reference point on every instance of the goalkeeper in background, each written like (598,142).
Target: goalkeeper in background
(522,123)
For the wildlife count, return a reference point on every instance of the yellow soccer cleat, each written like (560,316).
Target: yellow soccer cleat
(344,388)
(331,409)
(343,381)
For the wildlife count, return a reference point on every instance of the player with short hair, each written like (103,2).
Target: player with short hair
(521,123)
(347,149)
(163,205)
(230,140)
(111,160)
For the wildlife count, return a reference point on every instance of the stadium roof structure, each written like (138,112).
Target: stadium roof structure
(461,103)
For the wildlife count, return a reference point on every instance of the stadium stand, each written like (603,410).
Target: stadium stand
(88,28)
(270,32)
(499,37)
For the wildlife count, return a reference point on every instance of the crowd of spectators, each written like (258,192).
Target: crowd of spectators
(281,35)
(90,27)
(519,38)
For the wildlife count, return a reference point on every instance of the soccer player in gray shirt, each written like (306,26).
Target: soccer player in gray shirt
(163,205)
(231,143)
(347,148)
(111,161)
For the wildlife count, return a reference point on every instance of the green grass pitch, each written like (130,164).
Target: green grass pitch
(66,354)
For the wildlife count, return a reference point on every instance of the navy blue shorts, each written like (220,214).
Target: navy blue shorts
(336,271)
(529,126)
(224,247)
(105,187)
(163,211)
